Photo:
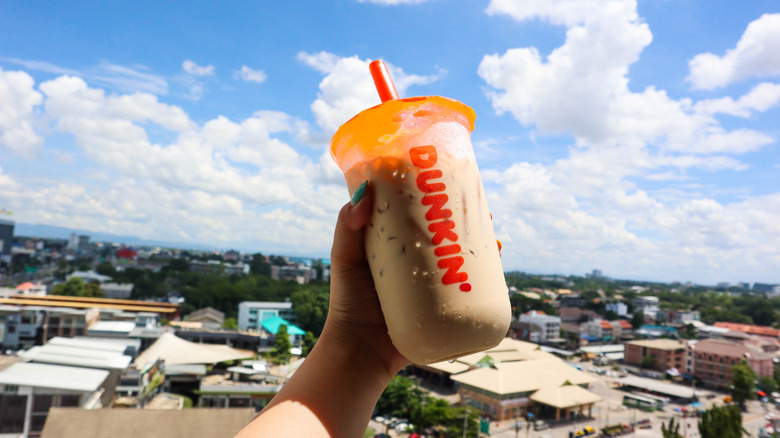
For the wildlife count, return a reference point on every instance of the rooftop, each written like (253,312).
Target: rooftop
(135,423)
(177,351)
(523,376)
(749,328)
(76,355)
(660,344)
(273,324)
(53,377)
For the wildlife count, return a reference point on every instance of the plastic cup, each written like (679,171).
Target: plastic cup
(430,241)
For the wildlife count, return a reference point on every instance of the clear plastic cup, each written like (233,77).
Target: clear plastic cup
(430,241)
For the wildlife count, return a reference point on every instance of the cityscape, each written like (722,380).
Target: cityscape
(105,327)
(174,179)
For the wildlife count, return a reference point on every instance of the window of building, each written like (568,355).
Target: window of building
(70,400)
(42,402)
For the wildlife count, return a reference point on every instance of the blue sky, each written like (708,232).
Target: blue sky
(639,138)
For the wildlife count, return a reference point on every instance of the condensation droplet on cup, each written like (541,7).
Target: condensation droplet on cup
(418,244)
(415,270)
(451,361)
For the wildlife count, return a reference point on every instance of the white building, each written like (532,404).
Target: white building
(29,390)
(251,314)
(117,290)
(618,307)
(551,325)
(647,305)
(90,276)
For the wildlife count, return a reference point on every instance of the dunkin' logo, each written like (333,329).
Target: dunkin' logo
(425,157)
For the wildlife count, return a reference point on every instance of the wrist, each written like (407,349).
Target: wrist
(360,345)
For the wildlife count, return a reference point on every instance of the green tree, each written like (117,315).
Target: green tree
(767,384)
(401,398)
(308,343)
(282,345)
(673,431)
(742,378)
(230,324)
(93,290)
(637,319)
(311,307)
(721,422)
(106,268)
(74,287)
(258,265)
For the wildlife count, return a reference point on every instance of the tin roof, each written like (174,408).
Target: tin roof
(48,376)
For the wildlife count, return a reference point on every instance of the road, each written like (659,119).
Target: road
(611,411)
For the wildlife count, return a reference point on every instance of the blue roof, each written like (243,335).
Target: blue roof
(657,327)
(273,324)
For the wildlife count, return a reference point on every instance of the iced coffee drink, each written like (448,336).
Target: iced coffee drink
(430,241)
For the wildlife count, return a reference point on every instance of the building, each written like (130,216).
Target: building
(619,308)
(208,317)
(27,288)
(647,305)
(516,378)
(713,359)
(251,314)
(622,329)
(571,301)
(575,315)
(21,327)
(62,321)
(270,329)
(667,353)
(648,331)
(29,390)
(90,276)
(117,290)
(220,392)
(216,267)
(551,325)
(597,331)
(677,317)
(750,329)
(300,274)
(524,331)
(6,240)
(152,423)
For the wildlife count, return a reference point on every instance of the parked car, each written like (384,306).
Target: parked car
(540,425)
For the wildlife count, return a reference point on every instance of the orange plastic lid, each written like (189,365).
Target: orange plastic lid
(364,130)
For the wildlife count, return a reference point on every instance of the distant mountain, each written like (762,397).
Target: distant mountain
(50,231)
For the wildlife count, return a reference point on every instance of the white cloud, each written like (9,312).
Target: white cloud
(249,75)
(761,98)
(755,55)
(222,157)
(127,79)
(348,88)
(6,182)
(18,100)
(581,87)
(196,70)
(586,210)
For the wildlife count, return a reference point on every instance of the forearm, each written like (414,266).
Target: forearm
(332,394)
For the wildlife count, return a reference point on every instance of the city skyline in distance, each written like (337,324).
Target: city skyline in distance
(64,233)
(639,138)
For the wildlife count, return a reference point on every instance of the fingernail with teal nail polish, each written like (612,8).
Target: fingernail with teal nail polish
(359,193)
